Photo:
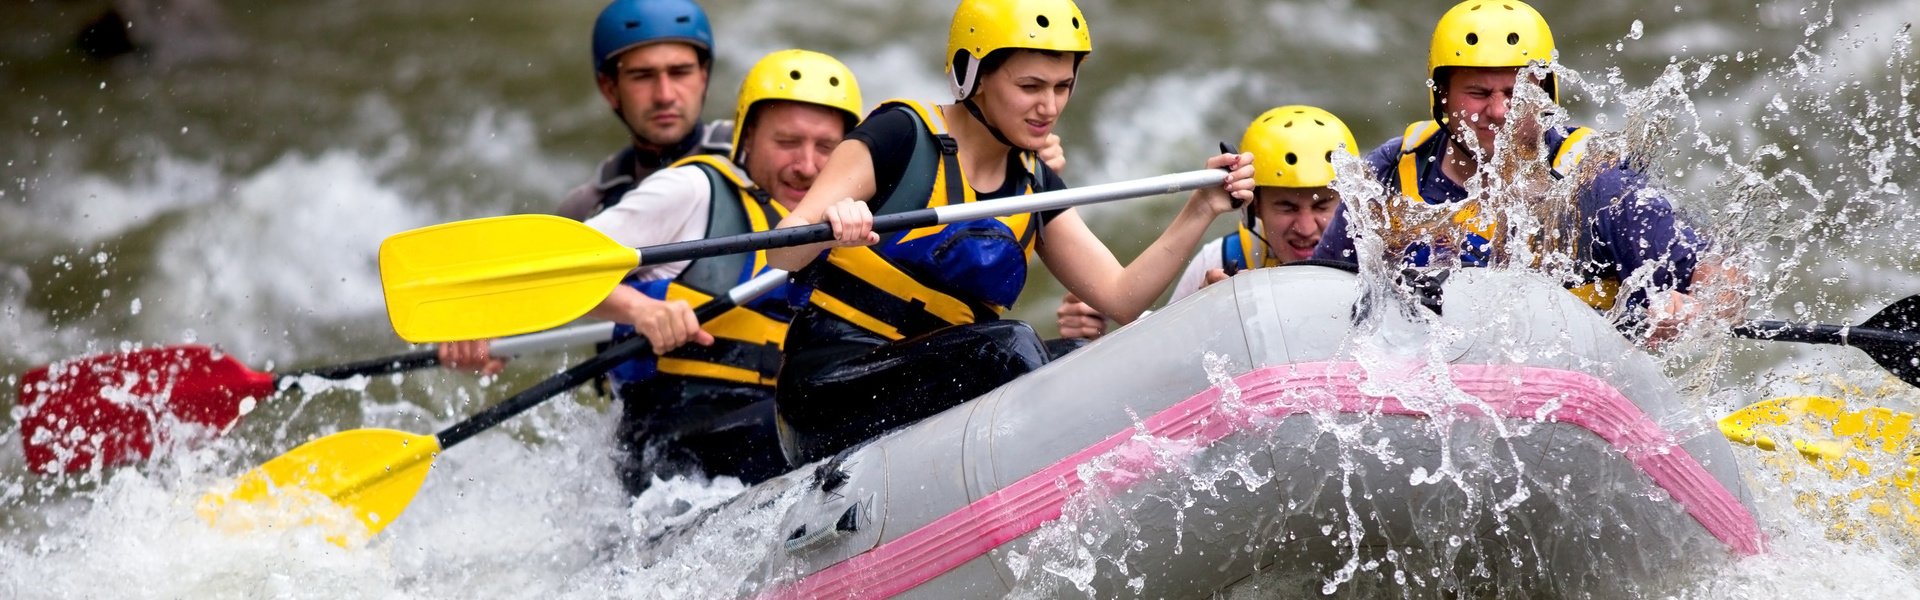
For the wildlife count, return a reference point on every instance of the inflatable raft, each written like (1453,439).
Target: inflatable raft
(1267,436)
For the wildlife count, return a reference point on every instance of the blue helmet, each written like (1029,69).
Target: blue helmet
(625,24)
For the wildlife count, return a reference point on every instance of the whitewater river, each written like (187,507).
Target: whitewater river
(231,185)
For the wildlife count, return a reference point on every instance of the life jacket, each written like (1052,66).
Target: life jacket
(1596,285)
(1237,246)
(621,172)
(747,340)
(918,281)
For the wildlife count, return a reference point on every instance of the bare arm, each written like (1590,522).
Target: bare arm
(1088,269)
(847,178)
(667,324)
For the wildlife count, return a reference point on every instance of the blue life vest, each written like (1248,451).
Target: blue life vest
(1237,246)
(918,281)
(1482,234)
(748,339)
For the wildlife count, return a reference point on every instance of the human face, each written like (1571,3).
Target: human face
(1293,218)
(788,144)
(658,90)
(1476,100)
(1024,97)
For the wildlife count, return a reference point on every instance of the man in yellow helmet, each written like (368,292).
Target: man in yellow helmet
(1620,229)
(704,404)
(1292,149)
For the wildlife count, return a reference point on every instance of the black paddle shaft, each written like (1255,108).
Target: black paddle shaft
(1891,337)
(398,363)
(568,379)
(778,238)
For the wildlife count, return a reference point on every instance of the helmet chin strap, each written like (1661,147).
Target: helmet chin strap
(974,109)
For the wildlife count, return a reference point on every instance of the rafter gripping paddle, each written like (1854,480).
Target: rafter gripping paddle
(374,473)
(505,275)
(112,409)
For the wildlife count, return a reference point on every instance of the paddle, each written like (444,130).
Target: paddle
(1891,337)
(375,472)
(111,409)
(1843,442)
(505,275)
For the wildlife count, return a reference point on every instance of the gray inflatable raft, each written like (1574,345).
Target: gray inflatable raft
(1253,439)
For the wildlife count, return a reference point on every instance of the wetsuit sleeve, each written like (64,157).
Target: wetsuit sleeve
(1336,243)
(890,137)
(1638,231)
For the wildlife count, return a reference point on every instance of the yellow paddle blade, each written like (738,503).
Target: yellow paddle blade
(371,474)
(1844,444)
(495,277)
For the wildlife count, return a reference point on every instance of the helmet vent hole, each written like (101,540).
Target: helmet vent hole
(1076,22)
(1329,157)
(633,24)
(833,81)
(683,19)
(1291,159)
(1513,39)
(1319,122)
(1473,38)
(1042,20)
(1288,124)
(795,74)
(1507,6)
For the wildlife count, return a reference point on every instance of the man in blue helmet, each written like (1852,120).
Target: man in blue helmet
(651,60)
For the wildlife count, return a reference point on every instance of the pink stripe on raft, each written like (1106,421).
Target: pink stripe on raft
(1512,392)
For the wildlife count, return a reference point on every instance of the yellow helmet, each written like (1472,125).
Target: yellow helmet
(983,26)
(1488,33)
(799,76)
(1293,146)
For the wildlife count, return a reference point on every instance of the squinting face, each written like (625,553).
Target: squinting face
(1476,100)
(1025,96)
(658,90)
(1293,218)
(788,144)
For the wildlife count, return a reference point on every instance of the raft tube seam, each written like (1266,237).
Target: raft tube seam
(1270,394)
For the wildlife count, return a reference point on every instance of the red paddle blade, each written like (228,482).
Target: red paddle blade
(114,408)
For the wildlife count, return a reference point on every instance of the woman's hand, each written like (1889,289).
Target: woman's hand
(1076,320)
(1053,155)
(1236,191)
(852,223)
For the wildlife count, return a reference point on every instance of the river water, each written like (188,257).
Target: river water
(231,186)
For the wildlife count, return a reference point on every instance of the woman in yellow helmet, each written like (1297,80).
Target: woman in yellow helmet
(898,328)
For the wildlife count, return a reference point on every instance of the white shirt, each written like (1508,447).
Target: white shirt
(668,206)
(1196,273)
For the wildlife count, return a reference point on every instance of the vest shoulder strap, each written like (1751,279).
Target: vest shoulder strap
(1417,133)
(1408,172)
(1572,149)
(730,212)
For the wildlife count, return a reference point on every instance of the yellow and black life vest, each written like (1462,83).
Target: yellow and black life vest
(930,278)
(748,339)
(1483,233)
